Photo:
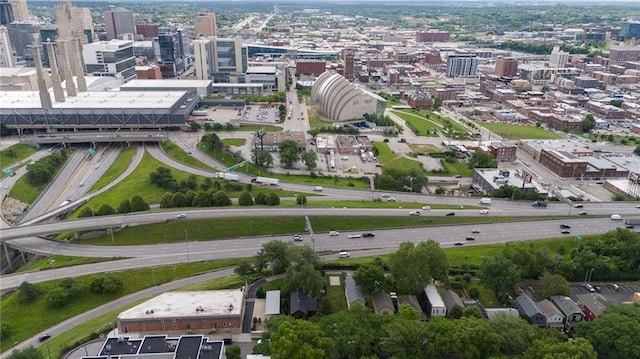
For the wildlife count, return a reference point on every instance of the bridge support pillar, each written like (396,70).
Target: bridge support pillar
(6,252)
(76,235)
(24,260)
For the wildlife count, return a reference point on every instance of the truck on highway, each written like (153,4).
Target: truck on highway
(227,176)
(266,180)
(539,204)
(485,200)
(632,221)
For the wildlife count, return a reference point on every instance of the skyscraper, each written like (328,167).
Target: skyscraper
(630,30)
(462,65)
(167,48)
(205,25)
(203,59)
(6,13)
(558,58)
(110,58)
(6,56)
(119,21)
(506,66)
(20,10)
(228,55)
(23,35)
(349,63)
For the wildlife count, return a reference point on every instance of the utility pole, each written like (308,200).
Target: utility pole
(310,229)
(186,239)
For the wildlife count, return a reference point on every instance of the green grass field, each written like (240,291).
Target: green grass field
(29,319)
(15,153)
(444,121)
(122,162)
(404,164)
(458,168)
(234,141)
(384,152)
(255,128)
(177,153)
(336,296)
(24,191)
(517,132)
(45,263)
(422,125)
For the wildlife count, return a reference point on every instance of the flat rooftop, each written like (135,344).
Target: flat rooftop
(17,71)
(184,304)
(166,83)
(89,100)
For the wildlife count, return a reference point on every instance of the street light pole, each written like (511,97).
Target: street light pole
(186,239)
(113,241)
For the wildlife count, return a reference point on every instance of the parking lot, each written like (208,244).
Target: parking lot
(608,292)
(263,114)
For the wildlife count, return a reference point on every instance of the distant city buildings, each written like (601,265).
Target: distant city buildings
(118,21)
(6,56)
(110,58)
(462,65)
(432,36)
(558,58)
(630,30)
(506,66)
(205,25)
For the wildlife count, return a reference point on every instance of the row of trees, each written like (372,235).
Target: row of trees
(397,179)
(289,156)
(216,199)
(135,204)
(42,171)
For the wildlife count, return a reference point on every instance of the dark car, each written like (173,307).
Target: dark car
(470,239)
(565,231)
(368,234)
(44,337)
(450,214)
(458,244)
(630,226)
(597,288)
(582,213)
(565,226)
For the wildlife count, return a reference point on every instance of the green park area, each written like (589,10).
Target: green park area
(177,153)
(118,167)
(420,125)
(15,154)
(518,132)
(234,141)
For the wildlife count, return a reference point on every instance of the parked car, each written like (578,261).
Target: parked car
(344,254)
(475,230)
(597,288)
(414,213)
(297,238)
(368,234)
(450,214)
(565,226)
(354,236)
(588,287)
(458,244)
(426,208)
(44,337)
(182,215)
(615,287)
(334,233)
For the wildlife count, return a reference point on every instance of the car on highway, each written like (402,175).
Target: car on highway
(582,213)
(44,337)
(638,206)
(354,236)
(564,225)
(182,215)
(450,214)
(475,230)
(334,233)
(629,226)
(426,208)
(470,238)
(368,234)
(484,211)
(616,217)
(391,199)
(385,195)
(414,213)
(458,244)
(297,238)
(344,254)
(5,187)
(580,205)
(565,231)
(457,176)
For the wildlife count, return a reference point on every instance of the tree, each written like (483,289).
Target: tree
(413,267)
(299,339)
(614,334)
(437,103)
(517,334)
(637,150)
(232,352)
(202,199)
(105,210)
(289,153)
(552,284)
(301,199)
(309,158)
(499,274)
(178,200)
(261,158)
(589,123)
(580,349)
(455,312)
(274,255)
(272,199)
(125,206)
(261,198)
(220,199)
(370,277)
(616,103)
(5,330)
(245,199)
(27,292)
(405,339)
(85,212)
(440,190)
(474,338)
(481,159)
(138,204)
(472,312)
(26,353)
(57,297)
(106,285)
(305,278)
(165,200)
(355,332)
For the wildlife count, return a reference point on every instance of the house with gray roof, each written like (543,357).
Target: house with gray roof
(382,303)
(413,302)
(302,307)
(572,312)
(451,299)
(555,318)
(591,305)
(527,307)
(353,292)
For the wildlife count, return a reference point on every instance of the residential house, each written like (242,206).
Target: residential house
(301,307)
(572,312)
(436,304)
(527,307)
(451,299)
(591,305)
(555,318)
(412,301)
(353,292)
(382,303)
(491,313)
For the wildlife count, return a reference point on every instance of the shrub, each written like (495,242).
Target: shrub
(27,292)
(245,199)
(57,297)
(5,330)
(474,292)
(106,285)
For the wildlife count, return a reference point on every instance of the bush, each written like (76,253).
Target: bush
(27,292)
(106,285)
(261,198)
(57,297)
(5,330)
(474,292)
(272,199)
(245,199)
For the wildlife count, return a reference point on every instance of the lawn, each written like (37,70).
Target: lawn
(452,169)
(255,128)
(384,152)
(421,126)
(404,164)
(177,153)
(336,296)
(44,263)
(117,168)
(234,141)
(137,183)
(24,191)
(517,132)
(30,319)
(203,229)
(445,122)
(14,154)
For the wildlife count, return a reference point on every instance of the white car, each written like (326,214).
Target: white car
(385,195)
(391,199)
(426,208)
(181,215)
(484,211)
(414,213)
(638,206)
(475,230)
(344,254)
(354,236)
(616,217)
(334,233)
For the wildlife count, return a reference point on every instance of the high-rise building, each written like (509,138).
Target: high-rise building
(110,58)
(83,25)
(20,10)
(462,65)
(205,25)
(167,48)
(349,63)
(203,59)
(119,21)
(6,55)
(229,56)
(148,31)
(629,30)
(558,58)
(621,54)
(23,35)
(432,36)
(69,47)
(506,66)
(6,13)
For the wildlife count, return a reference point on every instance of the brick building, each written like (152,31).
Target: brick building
(419,100)
(503,151)
(432,36)
(148,72)
(620,54)
(506,66)
(563,163)
(311,67)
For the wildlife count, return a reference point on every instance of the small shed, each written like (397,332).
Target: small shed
(272,303)
(436,303)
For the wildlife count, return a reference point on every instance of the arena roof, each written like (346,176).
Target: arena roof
(166,83)
(113,99)
(184,304)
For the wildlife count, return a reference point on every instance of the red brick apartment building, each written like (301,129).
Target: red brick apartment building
(311,67)
(506,66)
(432,36)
